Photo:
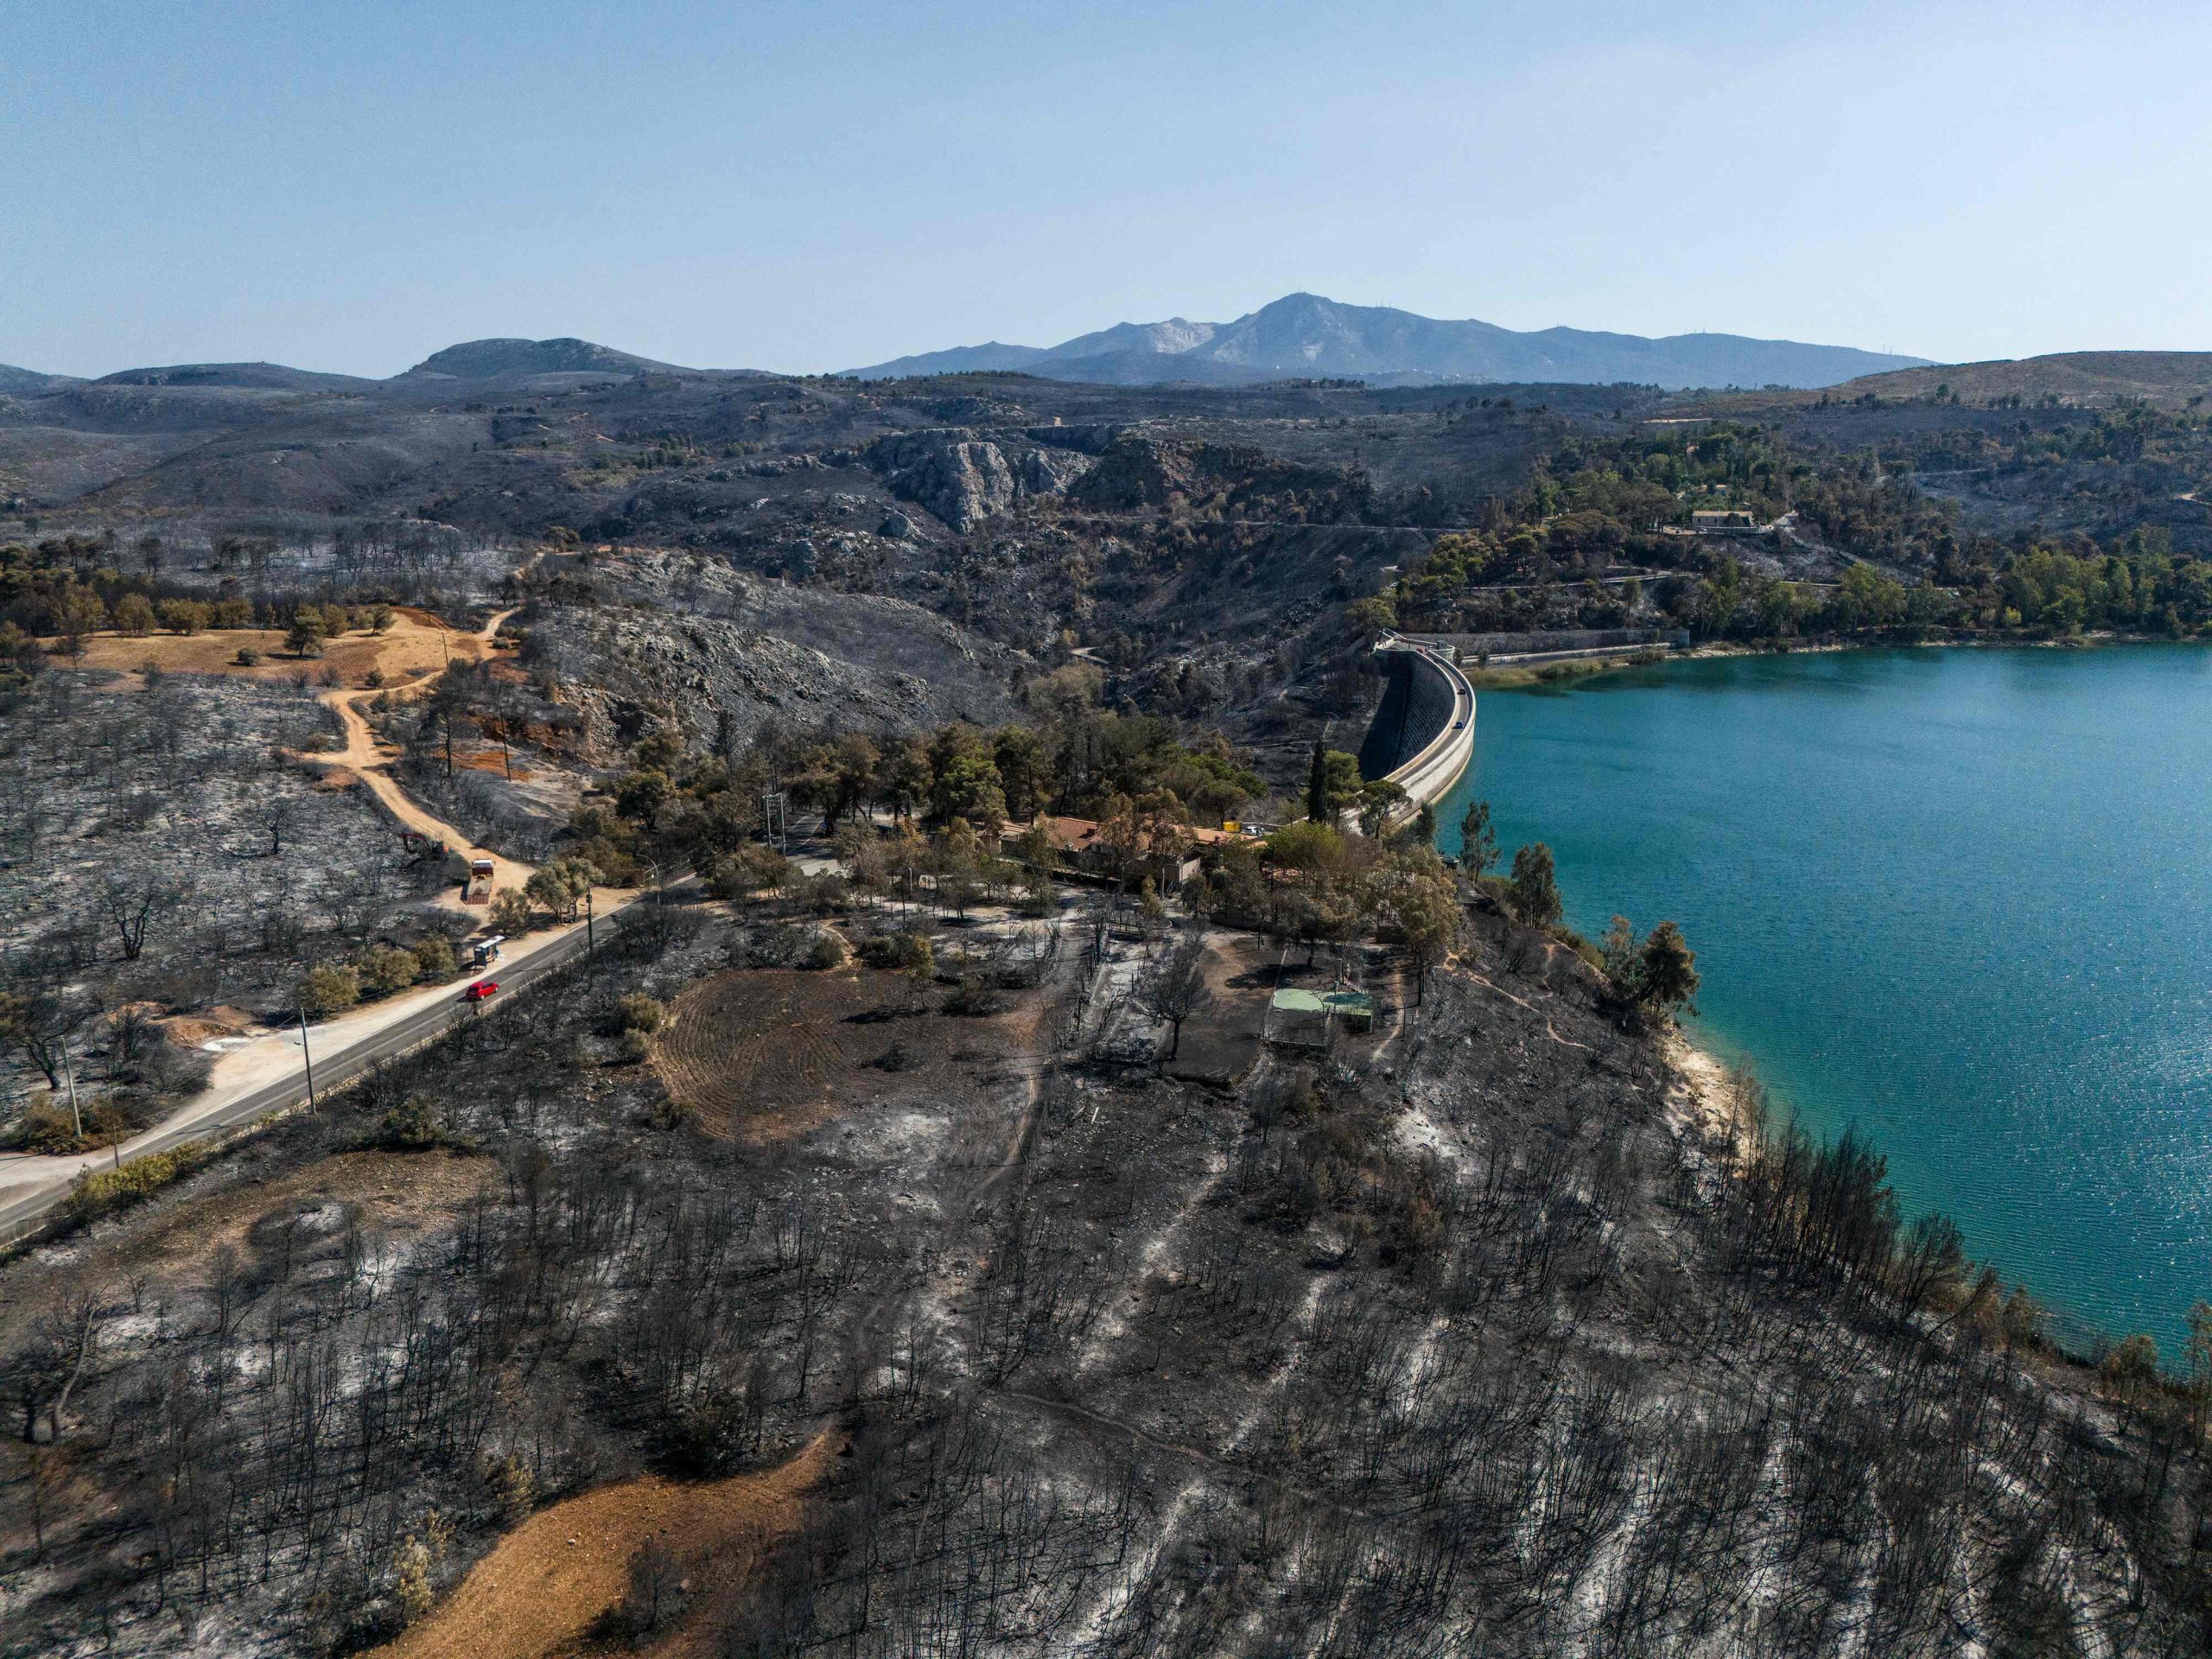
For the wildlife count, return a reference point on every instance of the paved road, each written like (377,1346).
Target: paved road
(331,1070)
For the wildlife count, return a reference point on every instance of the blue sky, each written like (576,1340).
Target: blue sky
(808,188)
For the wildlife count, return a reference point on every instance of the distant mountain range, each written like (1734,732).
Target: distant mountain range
(1302,336)
(1307,336)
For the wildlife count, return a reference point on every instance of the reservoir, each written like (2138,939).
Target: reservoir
(1962,899)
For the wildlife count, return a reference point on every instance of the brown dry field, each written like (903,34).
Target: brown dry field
(539,1590)
(416,643)
(763,1054)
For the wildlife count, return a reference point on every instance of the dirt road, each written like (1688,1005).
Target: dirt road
(370,759)
(406,659)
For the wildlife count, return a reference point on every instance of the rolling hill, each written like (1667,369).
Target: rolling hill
(2168,377)
(501,360)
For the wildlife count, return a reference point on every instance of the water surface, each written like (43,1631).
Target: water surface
(1961,898)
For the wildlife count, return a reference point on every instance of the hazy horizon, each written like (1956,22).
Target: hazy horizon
(428,351)
(774,189)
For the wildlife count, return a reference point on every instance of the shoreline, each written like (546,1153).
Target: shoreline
(1512,678)
(1702,1097)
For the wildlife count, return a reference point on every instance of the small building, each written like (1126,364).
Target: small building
(1168,854)
(1299,1018)
(1708,520)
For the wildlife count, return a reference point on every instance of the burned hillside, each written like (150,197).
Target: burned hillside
(1462,1330)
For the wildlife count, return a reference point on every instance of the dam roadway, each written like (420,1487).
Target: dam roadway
(1422,737)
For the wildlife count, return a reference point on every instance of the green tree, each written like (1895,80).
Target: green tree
(1667,971)
(510,913)
(434,960)
(1332,784)
(305,637)
(642,794)
(1025,771)
(1313,846)
(917,963)
(754,868)
(902,781)
(560,886)
(1374,613)
(329,989)
(1419,906)
(78,615)
(386,969)
(1533,893)
(1379,800)
(1477,841)
(134,615)
(184,615)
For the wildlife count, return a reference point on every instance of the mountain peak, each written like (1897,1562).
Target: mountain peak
(1304,335)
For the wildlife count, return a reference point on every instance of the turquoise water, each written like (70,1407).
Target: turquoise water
(1962,899)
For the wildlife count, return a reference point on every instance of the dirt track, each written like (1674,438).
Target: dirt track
(541,1587)
(408,657)
(369,761)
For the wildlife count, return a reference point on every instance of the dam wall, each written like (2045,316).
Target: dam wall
(1423,736)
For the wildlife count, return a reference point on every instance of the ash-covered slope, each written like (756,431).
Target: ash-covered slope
(694,637)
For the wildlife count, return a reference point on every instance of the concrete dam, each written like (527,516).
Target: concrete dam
(1423,736)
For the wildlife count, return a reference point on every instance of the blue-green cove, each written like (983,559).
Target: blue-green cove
(1962,899)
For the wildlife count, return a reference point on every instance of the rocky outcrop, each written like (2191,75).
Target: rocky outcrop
(695,637)
(965,478)
(1134,472)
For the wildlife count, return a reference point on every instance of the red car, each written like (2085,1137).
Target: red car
(480,990)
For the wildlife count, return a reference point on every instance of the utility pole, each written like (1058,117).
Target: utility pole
(309,1057)
(589,940)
